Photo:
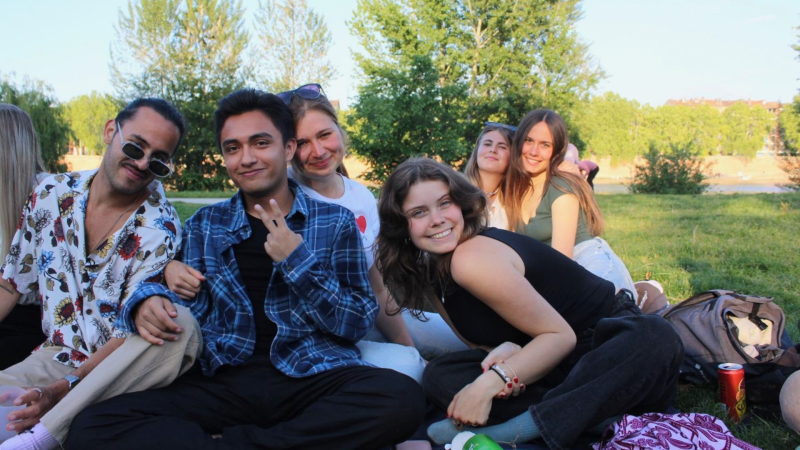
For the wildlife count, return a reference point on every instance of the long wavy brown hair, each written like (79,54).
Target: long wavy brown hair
(406,270)
(472,171)
(519,184)
(299,106)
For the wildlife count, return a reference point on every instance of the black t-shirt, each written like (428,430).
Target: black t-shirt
(255,265)
(580,297)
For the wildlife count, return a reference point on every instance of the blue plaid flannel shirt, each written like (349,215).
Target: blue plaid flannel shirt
(319,296)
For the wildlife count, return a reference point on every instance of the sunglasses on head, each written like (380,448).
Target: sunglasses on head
(157,167)
(307,91)
(501,125)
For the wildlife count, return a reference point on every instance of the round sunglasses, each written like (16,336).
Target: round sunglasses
(157,167)
(307,91)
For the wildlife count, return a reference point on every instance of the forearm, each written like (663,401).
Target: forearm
(540,356)
(391,326)
(60,387)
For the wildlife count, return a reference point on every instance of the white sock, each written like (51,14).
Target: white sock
(37,438)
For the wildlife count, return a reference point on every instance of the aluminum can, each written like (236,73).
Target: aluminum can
(731,389)
(481,442)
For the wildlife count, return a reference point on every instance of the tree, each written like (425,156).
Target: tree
(512,55)
(47,114)
(610,125)
(789,127)
(87,116)
(403,113)
(745,128)
(294,43)
(190,53)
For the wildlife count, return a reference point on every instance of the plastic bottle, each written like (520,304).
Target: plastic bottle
(467,440)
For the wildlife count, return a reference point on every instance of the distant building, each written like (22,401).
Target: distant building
(721,105)
(772,143)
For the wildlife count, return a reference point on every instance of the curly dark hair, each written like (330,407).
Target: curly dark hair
(406,269)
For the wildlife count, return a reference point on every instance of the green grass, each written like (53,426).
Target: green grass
(745,242)
(200,194)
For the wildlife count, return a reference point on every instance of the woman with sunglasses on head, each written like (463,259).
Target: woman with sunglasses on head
(553,206)
(555,351)
(21,169)
(318,168)
(487,167)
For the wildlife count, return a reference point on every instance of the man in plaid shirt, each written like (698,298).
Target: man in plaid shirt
(281,299)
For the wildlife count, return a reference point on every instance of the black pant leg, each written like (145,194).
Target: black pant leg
(632,368)
(446,375)
(254,408)
(354,407)
(592,174)
(182,415)
(20,333)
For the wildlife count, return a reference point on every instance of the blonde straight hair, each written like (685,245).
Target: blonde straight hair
(20,161)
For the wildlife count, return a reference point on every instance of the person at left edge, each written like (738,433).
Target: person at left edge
(280,366)
(87,240)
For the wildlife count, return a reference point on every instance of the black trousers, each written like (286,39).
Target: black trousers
(592,174)
(20,333)
(627,364)
(255,406)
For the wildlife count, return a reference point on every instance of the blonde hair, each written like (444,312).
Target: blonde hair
(472,171)
(20,161)
(299,106)
(519,184)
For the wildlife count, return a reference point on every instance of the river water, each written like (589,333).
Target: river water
(616,188)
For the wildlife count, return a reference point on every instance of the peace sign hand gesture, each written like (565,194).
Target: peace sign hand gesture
(281,241)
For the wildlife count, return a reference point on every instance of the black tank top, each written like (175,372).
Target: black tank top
(580,297)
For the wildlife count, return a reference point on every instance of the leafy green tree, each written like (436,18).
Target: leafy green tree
(682,126)
(190,53)
(87,116)
(403,113)
(47,114)
(512,55)
(293,46)
(610,125)
(745,128)
(789,127)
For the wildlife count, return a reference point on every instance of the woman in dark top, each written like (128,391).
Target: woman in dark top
(21,169)
(552,343)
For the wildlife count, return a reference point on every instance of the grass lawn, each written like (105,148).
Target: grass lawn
(745,242)
(200,194)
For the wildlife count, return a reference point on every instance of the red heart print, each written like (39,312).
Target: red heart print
(362,223)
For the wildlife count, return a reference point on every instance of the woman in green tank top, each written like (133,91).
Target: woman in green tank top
(553,206)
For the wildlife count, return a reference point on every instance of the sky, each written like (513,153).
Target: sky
(651,51)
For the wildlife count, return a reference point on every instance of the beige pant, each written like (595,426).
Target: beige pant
(790,402)
(135,366)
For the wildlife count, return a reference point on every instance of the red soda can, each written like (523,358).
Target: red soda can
(731,389)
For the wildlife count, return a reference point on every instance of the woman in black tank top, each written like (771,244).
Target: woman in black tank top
(555,352)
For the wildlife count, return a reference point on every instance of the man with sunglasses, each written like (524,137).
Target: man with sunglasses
(284,300)
(87,241)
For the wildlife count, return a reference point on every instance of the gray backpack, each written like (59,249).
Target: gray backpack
(722,326)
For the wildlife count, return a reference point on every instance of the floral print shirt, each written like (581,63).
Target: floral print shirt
(81,294)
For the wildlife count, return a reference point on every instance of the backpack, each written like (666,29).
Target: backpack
(721,326)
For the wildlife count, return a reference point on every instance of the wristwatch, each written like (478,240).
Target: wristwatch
(72,380)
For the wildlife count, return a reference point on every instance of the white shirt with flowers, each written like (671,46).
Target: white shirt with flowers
(81,294)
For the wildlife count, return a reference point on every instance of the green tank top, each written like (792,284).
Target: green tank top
(541,226)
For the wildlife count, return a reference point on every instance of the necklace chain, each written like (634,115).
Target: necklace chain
(108,232)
